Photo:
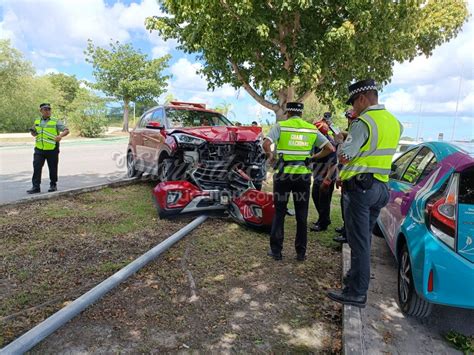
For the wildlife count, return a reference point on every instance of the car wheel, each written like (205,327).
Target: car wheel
(410,303)
(164,170)
(377,231)
(131,166)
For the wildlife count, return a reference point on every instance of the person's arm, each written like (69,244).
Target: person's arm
(272,137)
(358,135)
(325,151)
(63,129)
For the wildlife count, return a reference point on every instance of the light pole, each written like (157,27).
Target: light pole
(457,105)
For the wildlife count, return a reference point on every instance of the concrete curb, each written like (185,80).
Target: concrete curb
(352,339)
(70,192)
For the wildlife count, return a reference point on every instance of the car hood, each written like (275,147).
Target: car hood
(222,134)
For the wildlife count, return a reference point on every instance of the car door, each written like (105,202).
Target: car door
(408,171)
(153,140)
(137,140)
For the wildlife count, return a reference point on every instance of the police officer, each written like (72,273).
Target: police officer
(48,133)
(367,156)
(294,140)
(324,174)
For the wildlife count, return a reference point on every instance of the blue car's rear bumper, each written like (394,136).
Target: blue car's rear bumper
(453,275)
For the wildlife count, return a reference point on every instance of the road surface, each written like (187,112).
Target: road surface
(387,330)
(81,163)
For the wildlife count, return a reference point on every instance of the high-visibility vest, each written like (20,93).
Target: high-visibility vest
(45,135)
(375,156)
(296,141)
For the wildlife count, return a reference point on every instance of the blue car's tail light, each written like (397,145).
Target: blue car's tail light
(430,281)
(442,213)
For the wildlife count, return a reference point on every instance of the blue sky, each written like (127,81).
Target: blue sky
(429,95)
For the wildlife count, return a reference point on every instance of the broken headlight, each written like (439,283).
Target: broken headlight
(183,138)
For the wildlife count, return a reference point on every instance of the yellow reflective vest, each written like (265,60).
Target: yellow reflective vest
(375,156)
(296,141)
(45,135)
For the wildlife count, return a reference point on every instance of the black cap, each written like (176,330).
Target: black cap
(45,105)
(294,107)
(360,86)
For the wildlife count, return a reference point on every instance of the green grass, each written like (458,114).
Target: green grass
(461,342)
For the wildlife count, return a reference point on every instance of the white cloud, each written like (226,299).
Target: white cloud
(186,84)
(47,71)
(436,85)
(63,27)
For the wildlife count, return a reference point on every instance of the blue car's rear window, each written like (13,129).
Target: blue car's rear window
(466,187)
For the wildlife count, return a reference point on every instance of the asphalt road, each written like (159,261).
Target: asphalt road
(81,163)
(387,330)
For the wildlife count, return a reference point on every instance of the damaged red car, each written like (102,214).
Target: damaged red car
(202,162)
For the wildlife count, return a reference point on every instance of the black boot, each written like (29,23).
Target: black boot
(52,188)
(347,298)
(34,190)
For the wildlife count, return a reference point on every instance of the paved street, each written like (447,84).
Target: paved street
(81,163)
(387,330)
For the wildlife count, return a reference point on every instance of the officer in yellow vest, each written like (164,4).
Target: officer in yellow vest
(294,140)
(48,133)
(367,157)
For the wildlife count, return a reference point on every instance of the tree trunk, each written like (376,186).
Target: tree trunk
(280,114)
(125,115)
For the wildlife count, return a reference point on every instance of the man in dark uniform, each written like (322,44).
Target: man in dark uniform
(48,133)
(324,174)
(367,157)
(294,140)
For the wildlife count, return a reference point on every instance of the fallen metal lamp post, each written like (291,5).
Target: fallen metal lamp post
(51,324)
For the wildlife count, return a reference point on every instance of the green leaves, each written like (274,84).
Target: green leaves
(282,50)
(126,74)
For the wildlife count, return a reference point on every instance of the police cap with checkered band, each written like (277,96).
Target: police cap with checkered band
(294,107)
(360,86)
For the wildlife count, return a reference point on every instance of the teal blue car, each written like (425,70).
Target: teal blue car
(428,225)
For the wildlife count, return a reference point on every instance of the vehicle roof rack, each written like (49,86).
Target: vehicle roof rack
(187,104)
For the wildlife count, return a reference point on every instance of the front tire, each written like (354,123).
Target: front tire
(131,166)
(410,303)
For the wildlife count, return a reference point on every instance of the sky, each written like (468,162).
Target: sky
(428,95)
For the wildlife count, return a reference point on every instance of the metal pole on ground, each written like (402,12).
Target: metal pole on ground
(51,324)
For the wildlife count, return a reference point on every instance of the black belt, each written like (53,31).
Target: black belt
(362,181)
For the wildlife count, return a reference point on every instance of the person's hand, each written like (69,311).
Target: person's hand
(58,138)
(338,183)
(325,184)
(270,158)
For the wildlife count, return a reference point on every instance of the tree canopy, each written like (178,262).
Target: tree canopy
(284,50)
(22,91)
(126,74)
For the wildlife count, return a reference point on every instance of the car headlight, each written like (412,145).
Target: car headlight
(183,138)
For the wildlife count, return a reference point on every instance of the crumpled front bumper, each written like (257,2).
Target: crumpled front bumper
(252,207)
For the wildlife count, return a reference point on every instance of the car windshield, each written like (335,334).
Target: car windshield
(195,118)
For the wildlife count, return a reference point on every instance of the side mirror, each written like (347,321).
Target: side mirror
(154,125)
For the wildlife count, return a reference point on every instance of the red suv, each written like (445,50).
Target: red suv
(186,141)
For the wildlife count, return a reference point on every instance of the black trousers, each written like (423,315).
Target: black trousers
(298,185)
(322,201)
(52,158)
(361,209)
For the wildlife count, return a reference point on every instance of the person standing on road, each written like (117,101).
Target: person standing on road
(367,157)
(48,133)
(294,140)
(324,177)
